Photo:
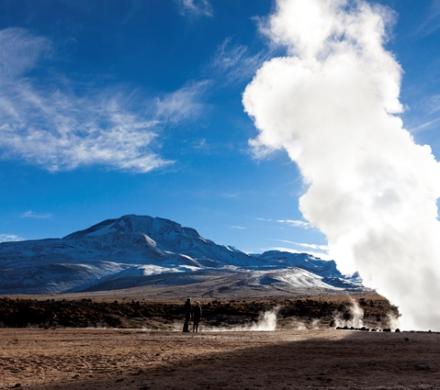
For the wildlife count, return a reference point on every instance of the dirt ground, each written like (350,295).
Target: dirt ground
(134,359)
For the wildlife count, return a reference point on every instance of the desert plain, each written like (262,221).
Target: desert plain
(285,359)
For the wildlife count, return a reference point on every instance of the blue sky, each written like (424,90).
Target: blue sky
(118,107)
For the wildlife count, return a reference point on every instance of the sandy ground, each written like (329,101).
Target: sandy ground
(133,359)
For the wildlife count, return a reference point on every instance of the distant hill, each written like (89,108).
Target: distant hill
(134,251)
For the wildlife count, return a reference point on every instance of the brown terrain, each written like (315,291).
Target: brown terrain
(122,311)
(73,342)
(134,359)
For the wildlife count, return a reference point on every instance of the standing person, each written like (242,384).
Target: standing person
(187,310)
(197,313)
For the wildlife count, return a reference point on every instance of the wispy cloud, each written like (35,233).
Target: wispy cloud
(230,195)
(195,7)
(295,223)
(235,62)
(35,215)
(238,227)
(20,51)
(201,144)
(433,104)
(263,219)
(427,125)
(59,128)
(321,255)
(183,104)
(10,237)
(431,22)
(305,245)
(316,250)
(428,114)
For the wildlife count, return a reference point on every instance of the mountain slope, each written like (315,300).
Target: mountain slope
(140,251)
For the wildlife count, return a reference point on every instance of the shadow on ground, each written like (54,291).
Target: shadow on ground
(357,361)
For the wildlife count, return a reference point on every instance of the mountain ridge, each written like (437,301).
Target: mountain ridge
(132,250)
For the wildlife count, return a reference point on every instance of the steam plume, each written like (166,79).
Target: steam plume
(267,322)
(332,103)
(357,317)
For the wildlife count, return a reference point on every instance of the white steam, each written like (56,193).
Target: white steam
(393,321)
(299,324)
(332,104)
(267,322)
(356,320)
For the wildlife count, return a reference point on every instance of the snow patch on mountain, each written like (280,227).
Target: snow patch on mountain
(134,248)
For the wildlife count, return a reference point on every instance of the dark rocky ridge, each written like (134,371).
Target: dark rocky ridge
(165,315)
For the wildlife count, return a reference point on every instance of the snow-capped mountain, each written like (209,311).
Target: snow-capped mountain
(133,250)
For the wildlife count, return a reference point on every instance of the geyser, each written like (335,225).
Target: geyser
(332,103)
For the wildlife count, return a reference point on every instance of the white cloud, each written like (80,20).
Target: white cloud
(235,62)
(426,114)
(183,104)
(281,249)
(305,245)
(263,219)
(238,227)
(295,223)
(321,255)
(59,129)
(317,250)
(196,7)
(34,215)
(20,51)
(332,102)
(426,125)
(10,237)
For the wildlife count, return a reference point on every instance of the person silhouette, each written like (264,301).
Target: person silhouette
(197,313)
(187,311)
